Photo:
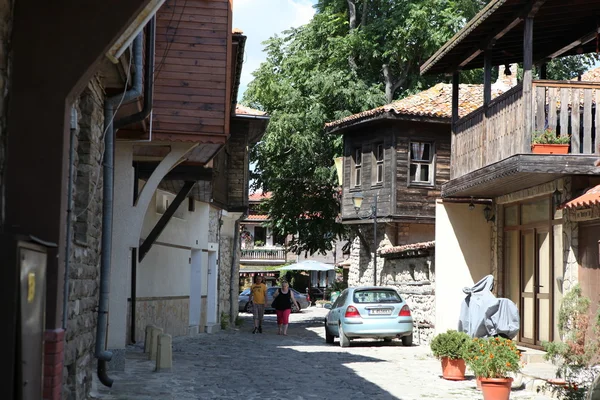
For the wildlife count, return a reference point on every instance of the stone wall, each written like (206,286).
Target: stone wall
(6,20)
(85,245)
(414,277)
(225,260)
(170,313)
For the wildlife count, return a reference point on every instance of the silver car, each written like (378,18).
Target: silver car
(245,305)
(369,312)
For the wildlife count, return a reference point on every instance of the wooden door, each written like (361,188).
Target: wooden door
(589,268)
(536,286)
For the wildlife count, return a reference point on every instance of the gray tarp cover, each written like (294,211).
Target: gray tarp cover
(483,315)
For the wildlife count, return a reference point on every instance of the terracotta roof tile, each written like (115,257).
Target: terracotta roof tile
(588,199)
(259,196)
(408,247)
(243,110)
(592,75)
(257,217)
(435,102)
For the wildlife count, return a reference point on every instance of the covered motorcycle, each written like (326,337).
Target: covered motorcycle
(483,315)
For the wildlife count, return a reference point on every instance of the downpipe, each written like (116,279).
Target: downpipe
(110,106)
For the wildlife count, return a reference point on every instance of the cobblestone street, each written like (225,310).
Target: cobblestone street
(240,365)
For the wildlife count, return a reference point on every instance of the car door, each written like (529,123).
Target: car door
(333,318)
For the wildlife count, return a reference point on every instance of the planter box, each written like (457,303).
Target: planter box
(550,148)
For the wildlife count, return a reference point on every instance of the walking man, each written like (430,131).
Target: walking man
(258,297)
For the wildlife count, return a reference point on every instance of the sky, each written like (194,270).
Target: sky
(261,19)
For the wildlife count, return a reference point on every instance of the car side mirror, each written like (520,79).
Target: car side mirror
(327,306)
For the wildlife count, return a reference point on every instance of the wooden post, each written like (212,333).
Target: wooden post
(527,85)
(455,115)
(487,98)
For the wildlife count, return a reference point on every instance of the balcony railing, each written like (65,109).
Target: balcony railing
(275,254)
(486,136)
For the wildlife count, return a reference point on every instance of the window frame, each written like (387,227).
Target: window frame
(357,167)
(378,164)
(431,163)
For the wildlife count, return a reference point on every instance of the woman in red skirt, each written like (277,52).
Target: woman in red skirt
(282,302)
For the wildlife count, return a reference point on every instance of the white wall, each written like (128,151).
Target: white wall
(462,257)
(166,269)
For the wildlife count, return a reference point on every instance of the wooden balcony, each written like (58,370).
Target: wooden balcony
(492,134)
(274,255)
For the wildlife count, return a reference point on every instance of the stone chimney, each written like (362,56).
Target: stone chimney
(506,81)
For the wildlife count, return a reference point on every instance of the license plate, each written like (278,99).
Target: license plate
(380,311)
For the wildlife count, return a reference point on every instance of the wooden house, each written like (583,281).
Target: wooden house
(518,231)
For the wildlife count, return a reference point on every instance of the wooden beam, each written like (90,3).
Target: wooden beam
(455,97)
(164,220)
(579,42)
(487,77)
(179,173)
(530,9)
(527,85)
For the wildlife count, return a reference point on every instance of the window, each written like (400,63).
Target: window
(357,166)
(378,161)
(421,163)
(376,296)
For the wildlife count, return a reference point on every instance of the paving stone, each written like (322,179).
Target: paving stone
(237,364)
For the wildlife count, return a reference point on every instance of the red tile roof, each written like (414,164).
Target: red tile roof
(257,217)
(408,247)
(588,199)
(259,196)
(435,102)
(592,75)
(243,110)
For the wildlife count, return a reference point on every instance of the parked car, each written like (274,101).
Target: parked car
(245,305)
(369,312)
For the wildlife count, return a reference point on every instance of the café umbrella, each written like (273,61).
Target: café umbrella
(308,265)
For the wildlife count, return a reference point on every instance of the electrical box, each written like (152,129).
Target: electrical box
(31,259)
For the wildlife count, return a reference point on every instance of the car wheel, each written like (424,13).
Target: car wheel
(344,341)
(387,340)
(328,336)
(407,340)
(248,308)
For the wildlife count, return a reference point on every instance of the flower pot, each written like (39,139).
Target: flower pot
(496,388)
(453,369)
(550,148)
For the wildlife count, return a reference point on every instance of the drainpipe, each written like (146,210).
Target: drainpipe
(233,296)
(110,108)
(134,259)
(69,217)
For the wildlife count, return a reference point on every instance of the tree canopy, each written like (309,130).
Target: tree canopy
(352,56)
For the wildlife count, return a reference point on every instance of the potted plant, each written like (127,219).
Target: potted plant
(546,142)
(493,360)
(450,347)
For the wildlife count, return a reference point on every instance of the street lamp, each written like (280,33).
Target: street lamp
(357,200)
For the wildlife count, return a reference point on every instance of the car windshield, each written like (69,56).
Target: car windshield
(376,296)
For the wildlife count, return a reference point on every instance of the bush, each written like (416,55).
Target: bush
(577,352)
(493,357)
(224,321)
(451,344)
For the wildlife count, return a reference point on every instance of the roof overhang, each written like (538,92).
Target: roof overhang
(518,172)
(560,28)
(389,115)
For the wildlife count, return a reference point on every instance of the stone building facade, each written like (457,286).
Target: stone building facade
(84,257)
(410,268)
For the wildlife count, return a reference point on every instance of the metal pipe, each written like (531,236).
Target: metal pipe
(148,80)
(134,258)
(110,105)
(69,218)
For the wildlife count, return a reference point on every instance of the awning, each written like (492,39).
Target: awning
(588,199)
(308,265)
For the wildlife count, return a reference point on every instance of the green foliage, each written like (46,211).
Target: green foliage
(451,344)
(259,243)
(326,70)
(493,357)
(548,136)
(224,320)
(570,67)
(577,352)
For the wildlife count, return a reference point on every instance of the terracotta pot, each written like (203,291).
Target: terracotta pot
(550,148)
(453,369)
(496,388)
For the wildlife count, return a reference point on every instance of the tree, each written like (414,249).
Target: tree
(354,55)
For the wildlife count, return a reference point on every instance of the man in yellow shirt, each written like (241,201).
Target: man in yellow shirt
(258,297)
